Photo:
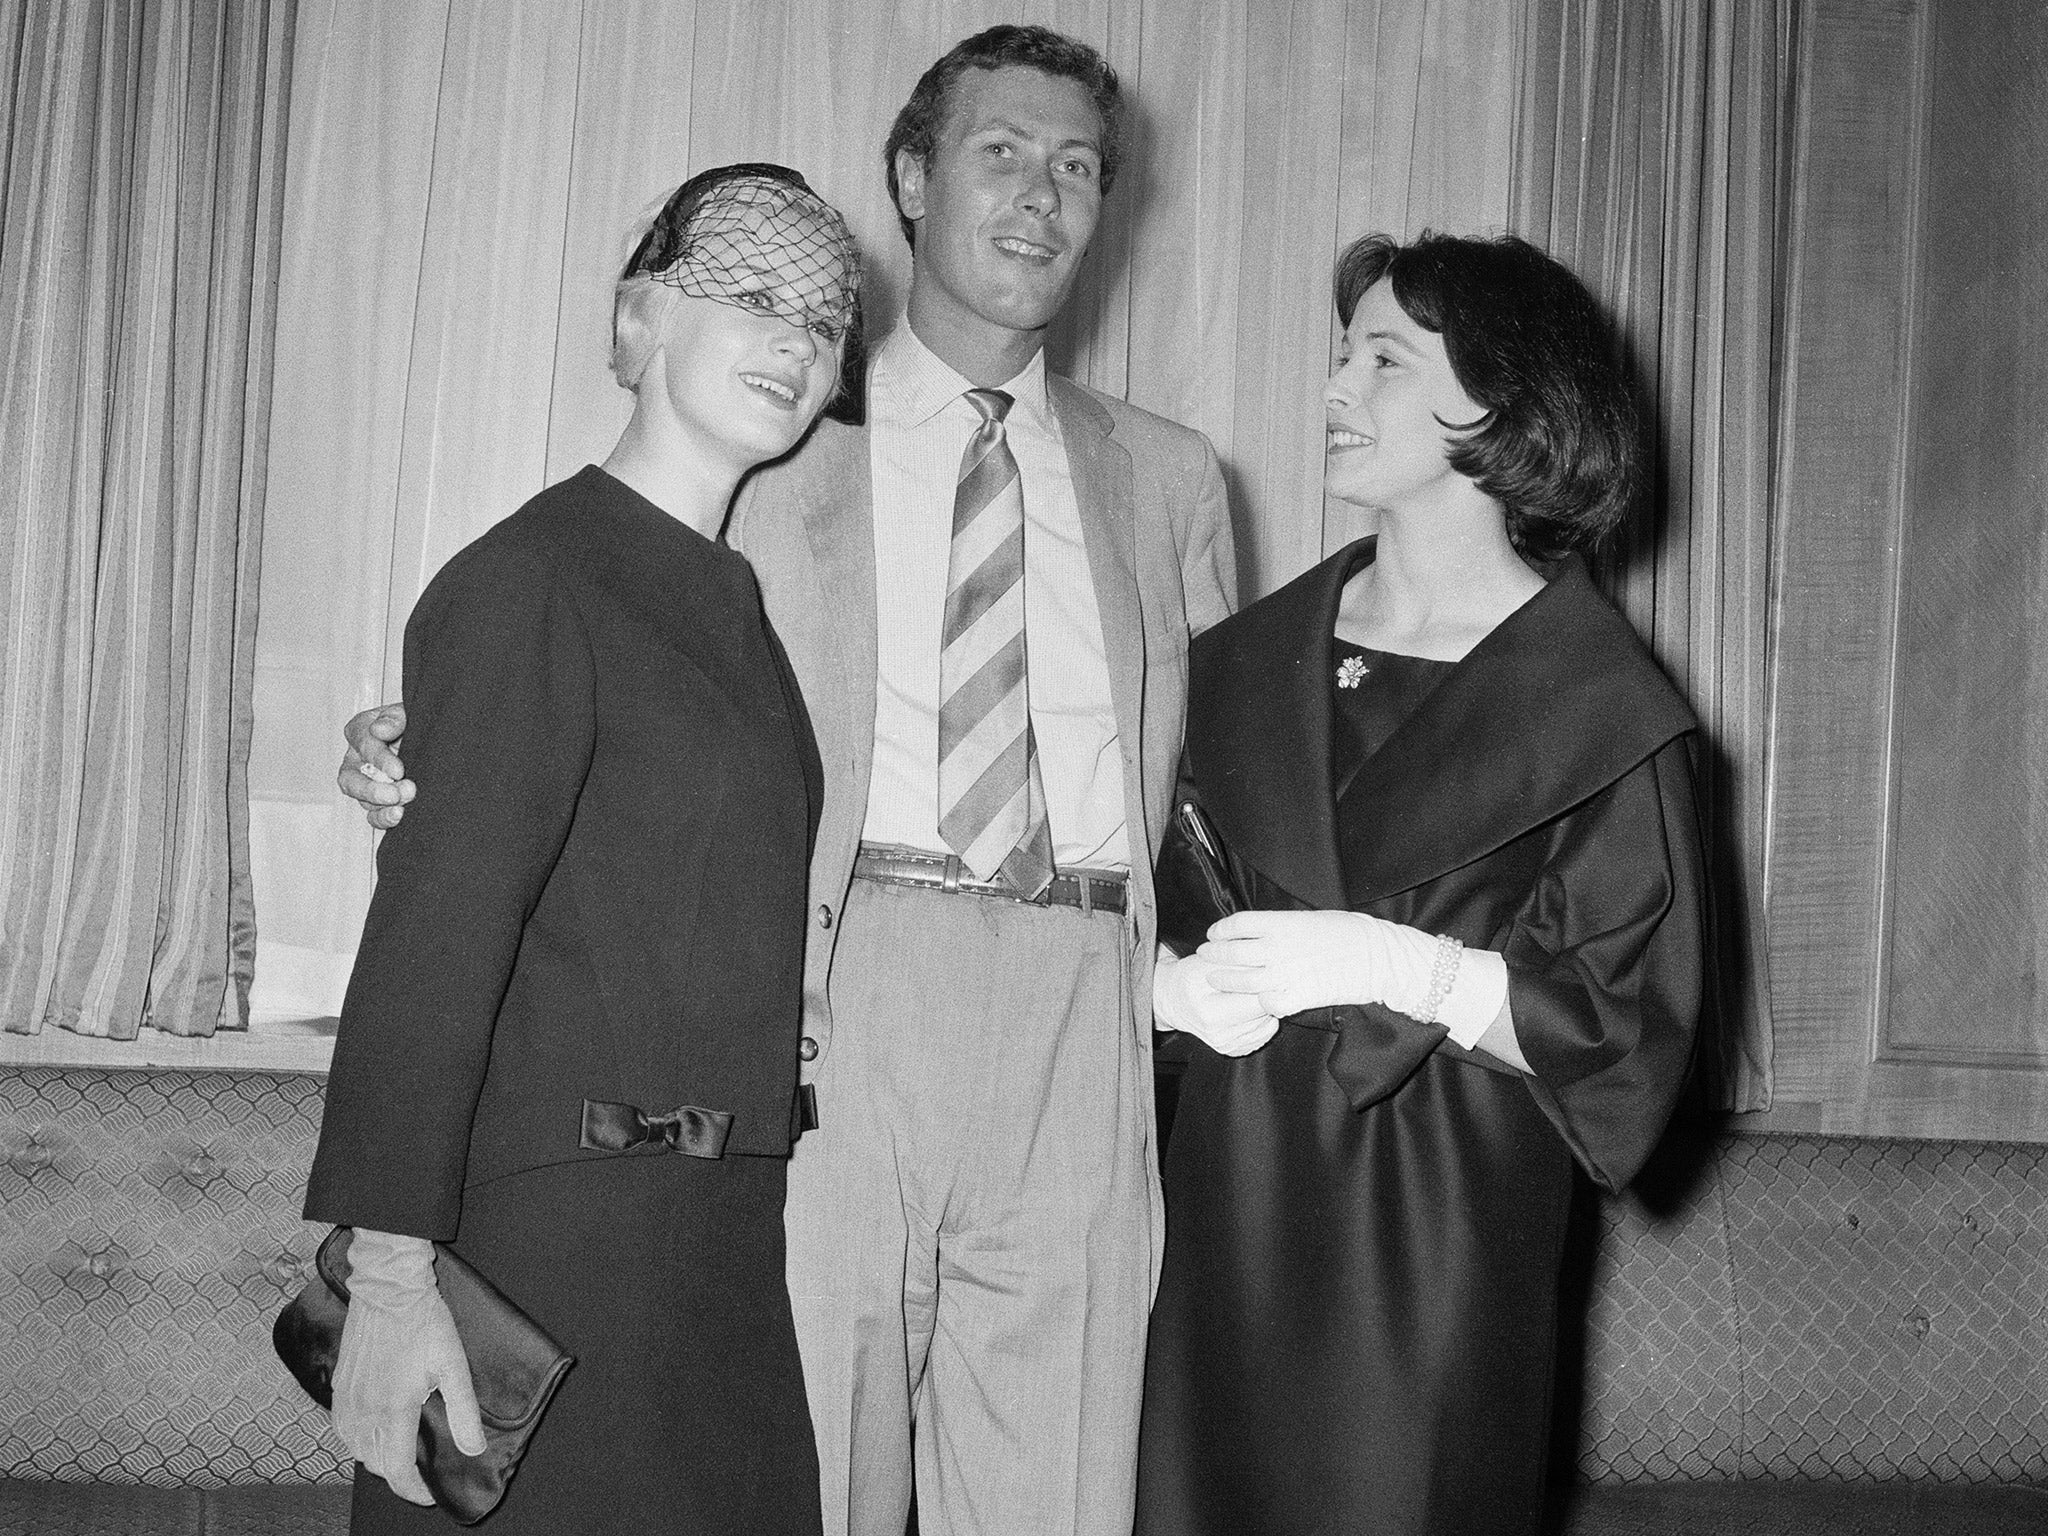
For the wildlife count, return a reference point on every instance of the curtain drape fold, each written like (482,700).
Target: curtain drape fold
(1651,142)
(462,172)
(441,363)
(138,259)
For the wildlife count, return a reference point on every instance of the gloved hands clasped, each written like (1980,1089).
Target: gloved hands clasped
(398,1347)
(1230,1024)
(1293,961)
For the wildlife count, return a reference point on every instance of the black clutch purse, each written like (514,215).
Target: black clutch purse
(1194,880)
(513,1364)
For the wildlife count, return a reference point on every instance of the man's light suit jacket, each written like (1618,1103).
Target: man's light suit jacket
(1157,530)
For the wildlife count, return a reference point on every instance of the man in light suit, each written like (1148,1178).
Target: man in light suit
(974,1224)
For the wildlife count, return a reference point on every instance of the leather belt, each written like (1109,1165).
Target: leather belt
(1092,890)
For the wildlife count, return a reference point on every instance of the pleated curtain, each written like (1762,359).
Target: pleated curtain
(437,257)
(463,178)
(143,159)
(1651,154)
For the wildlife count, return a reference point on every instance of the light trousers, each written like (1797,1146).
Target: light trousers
(974,1227)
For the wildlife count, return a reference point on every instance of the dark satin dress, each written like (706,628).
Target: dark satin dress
(1355,1323)
(598,894)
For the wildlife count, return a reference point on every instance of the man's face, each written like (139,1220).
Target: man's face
(1005,209)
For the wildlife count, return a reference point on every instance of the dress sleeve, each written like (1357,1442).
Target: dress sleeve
(500,727)
(1606,965)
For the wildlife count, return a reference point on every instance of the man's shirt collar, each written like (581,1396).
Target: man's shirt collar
(910,384)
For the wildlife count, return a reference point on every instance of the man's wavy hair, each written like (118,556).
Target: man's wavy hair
(917,126)
(1560,445)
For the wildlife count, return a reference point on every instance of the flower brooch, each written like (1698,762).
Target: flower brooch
(1351,671)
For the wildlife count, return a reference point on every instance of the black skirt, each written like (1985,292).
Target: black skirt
(685,1410)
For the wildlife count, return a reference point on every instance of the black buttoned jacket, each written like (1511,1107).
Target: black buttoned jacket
(598,893)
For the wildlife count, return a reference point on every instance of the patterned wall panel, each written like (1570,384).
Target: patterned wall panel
(1794,1307)
(151,1232)
(1663,1386)
(1826,1308)
(130,1509)
(1894,1307)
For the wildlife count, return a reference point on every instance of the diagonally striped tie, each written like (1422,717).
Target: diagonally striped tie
(991,804)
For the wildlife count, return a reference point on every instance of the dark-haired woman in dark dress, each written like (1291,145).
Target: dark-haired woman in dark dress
(569,1047)
(1460,792)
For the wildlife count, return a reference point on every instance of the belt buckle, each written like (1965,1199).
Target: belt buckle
(949,882)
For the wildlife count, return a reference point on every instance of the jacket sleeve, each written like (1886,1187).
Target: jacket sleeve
(1208,549)
(500,727)
(1606,965)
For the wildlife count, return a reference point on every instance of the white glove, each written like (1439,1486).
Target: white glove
(1293,961)
(1184,999)
(398,1347)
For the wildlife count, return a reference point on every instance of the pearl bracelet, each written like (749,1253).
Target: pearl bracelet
(1443,975)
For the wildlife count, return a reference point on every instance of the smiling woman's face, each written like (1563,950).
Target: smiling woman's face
(1387,404)
(746,295)
(747,384)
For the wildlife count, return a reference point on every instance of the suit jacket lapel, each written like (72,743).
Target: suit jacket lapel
(837,495)
(1101,471)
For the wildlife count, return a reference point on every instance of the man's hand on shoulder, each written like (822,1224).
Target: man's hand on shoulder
(370,769)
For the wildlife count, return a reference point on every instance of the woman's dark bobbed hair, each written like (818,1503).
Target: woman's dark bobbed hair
(1560,445)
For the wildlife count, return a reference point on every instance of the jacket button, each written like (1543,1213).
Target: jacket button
(824,916)
(807,1049)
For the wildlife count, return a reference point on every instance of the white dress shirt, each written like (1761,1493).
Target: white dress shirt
(918,427)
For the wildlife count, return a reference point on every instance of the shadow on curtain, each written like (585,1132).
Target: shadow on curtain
(1651,148)
(143,152)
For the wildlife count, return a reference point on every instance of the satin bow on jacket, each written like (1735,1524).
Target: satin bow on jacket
(686,1129)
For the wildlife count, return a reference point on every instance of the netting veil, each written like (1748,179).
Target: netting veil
(759,243)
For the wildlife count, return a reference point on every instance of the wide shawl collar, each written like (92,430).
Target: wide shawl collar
(1556,704)
(1552,707)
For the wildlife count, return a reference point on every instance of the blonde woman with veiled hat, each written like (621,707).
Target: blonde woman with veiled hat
(569,1047)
